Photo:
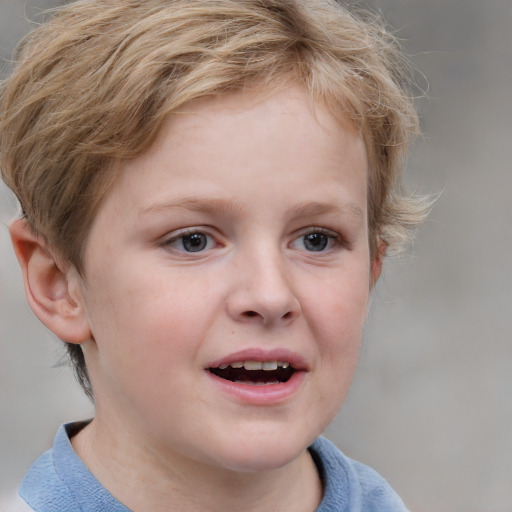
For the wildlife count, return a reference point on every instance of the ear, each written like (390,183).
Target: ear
(376,264)
(52,292)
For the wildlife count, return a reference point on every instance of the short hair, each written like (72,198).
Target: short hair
(93,86)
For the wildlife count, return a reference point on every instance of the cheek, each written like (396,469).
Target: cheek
(339,318)
(149,318)
(340,311)
(336,316)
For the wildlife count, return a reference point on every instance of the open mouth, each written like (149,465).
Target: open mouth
(258,373)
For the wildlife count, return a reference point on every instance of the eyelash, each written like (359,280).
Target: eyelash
(332,241)
(183,235)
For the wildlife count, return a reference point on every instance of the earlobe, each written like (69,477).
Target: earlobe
(51,291)
(377,260)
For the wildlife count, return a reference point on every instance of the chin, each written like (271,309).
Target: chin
(259,461)
(262,452)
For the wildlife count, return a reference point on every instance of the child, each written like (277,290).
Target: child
(208,189)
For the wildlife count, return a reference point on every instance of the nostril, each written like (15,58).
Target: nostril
(251,314)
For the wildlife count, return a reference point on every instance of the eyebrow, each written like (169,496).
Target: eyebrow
(222,206)
(228,207)
(311,209)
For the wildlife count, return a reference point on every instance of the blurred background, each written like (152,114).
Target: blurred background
(431,405)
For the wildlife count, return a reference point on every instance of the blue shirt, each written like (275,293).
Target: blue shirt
(58,481)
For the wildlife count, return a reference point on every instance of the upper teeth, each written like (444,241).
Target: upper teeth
(256,365)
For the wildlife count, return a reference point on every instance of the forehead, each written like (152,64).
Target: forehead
(256,140)
(256,116)
(253,108)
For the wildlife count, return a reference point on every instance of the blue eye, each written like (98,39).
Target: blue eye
(195,242)
(191,242)
(316,241)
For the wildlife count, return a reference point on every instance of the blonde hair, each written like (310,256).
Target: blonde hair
(93,86)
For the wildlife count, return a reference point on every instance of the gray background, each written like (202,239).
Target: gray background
(431,406)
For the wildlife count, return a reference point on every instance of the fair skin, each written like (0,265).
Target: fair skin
(239,237)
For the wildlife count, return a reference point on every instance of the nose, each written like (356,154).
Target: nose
(263,291)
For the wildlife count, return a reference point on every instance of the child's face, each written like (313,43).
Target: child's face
(240,236)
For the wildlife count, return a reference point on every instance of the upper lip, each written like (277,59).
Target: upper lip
(258,354)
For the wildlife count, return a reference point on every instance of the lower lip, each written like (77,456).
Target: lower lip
(268,394)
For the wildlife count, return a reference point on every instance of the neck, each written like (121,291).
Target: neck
(145,480)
